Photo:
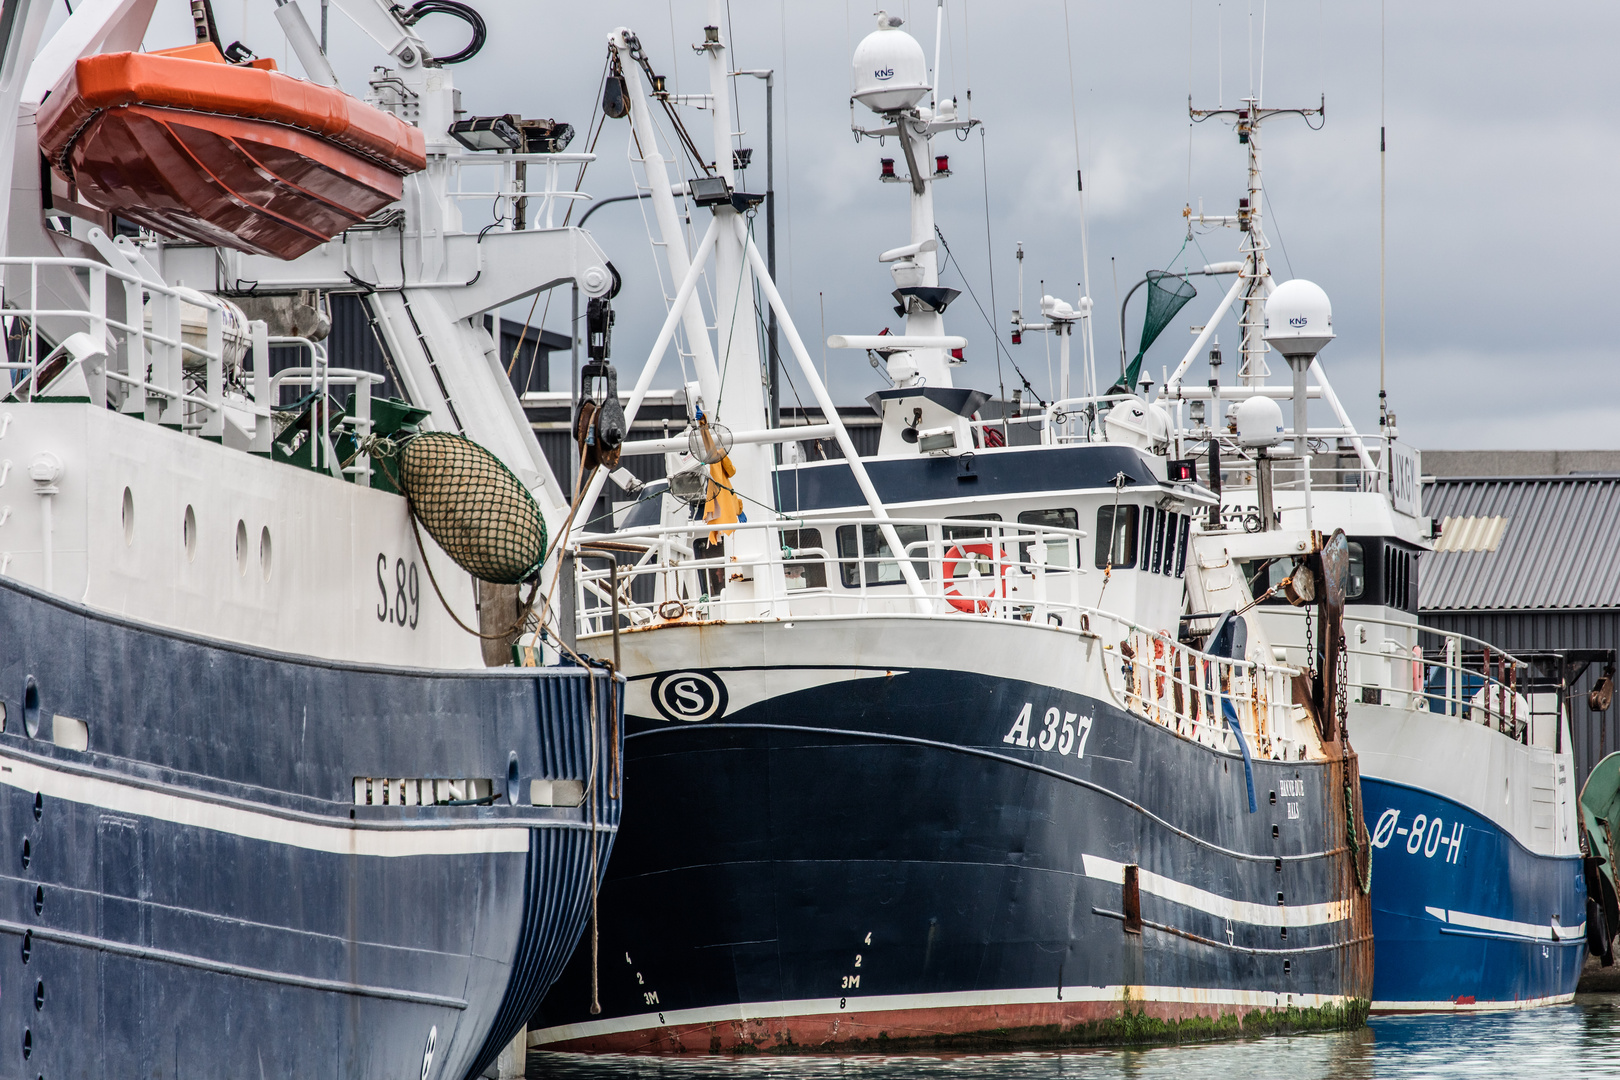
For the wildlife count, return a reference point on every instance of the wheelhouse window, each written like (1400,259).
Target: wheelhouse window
(803,555)
(867,556)
(1059,550)
(1356,579)
(1116,537)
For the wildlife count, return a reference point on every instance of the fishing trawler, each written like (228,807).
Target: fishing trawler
(268,806)
(1479,899)
(920,759)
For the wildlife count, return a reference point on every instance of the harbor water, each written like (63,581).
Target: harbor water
(1571,1041)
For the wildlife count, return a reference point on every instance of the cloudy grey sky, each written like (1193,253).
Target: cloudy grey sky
(1503,146)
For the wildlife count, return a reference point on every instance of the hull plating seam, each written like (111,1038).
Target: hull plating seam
(143,952)
(1004,759)
(1119,916)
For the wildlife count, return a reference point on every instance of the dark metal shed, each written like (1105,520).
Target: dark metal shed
(1529,563)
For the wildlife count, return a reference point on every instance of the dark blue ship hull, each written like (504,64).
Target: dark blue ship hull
(1464,916)
(870,864)
(200,891)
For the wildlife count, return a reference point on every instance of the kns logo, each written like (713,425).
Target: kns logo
(1298,320)
(883,74)
(689,695)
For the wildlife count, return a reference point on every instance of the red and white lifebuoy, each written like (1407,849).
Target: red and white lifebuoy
(973,605)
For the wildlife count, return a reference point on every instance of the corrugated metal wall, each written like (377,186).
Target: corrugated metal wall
(1594,734)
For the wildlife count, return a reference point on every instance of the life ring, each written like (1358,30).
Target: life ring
(972,605)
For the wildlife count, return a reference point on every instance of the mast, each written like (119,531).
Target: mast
(1255,277)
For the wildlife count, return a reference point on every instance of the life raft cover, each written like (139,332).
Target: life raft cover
(473,507)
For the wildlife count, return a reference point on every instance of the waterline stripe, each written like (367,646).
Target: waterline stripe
(1481,1006)
(962,999)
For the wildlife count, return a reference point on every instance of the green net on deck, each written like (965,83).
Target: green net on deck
(478,512)
(1166,295)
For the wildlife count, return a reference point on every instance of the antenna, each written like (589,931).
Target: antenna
(1383,397)
(1255,275)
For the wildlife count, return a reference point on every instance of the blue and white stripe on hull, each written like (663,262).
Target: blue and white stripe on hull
(198,881)
(1465,917)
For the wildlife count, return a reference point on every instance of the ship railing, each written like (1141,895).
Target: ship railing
(1333,467)
(506,182)
(998,571)
(1077,419)
(129,344)
(320,378)
(994,569)
(1419,667)
(1209,699)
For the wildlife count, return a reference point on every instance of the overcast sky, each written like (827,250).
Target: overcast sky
(1502,152)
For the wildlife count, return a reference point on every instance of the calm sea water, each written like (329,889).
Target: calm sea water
(1574,1041)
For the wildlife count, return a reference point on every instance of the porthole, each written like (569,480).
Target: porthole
(27,946)
(129,517)
(39,899)
(512,778)
(2,716)
(28,1044)
(241,548)
(264,552)
(27,853)
(39,994)
(31,707)
(191,534)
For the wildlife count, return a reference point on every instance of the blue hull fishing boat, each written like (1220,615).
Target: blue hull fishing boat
(286,783)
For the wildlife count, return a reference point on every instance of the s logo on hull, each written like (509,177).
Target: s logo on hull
(689,696)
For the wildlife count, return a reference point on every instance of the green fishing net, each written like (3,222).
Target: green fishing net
(1166,295)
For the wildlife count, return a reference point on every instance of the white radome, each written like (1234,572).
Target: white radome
(891,73)
(1299,319)
(1259,422)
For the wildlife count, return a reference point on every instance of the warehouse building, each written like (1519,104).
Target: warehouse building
(1528,559)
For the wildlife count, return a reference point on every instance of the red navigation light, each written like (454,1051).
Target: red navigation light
(942,164)
(888,168)
(956,354)
(1018,337)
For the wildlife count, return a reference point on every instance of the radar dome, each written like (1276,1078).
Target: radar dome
(891,73)
(1259,423)
(1299,319)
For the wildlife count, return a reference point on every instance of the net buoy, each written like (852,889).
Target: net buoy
(473,507)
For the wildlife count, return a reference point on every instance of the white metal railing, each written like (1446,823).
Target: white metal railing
(1462,676)
(997,569)
(320,377)
(992,570)
(507,181)
(1199,695)
(126,364)
(1077,419)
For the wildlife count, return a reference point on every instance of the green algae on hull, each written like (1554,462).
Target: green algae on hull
(1132,1028)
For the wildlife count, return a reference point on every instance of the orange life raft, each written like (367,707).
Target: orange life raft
(238,156)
